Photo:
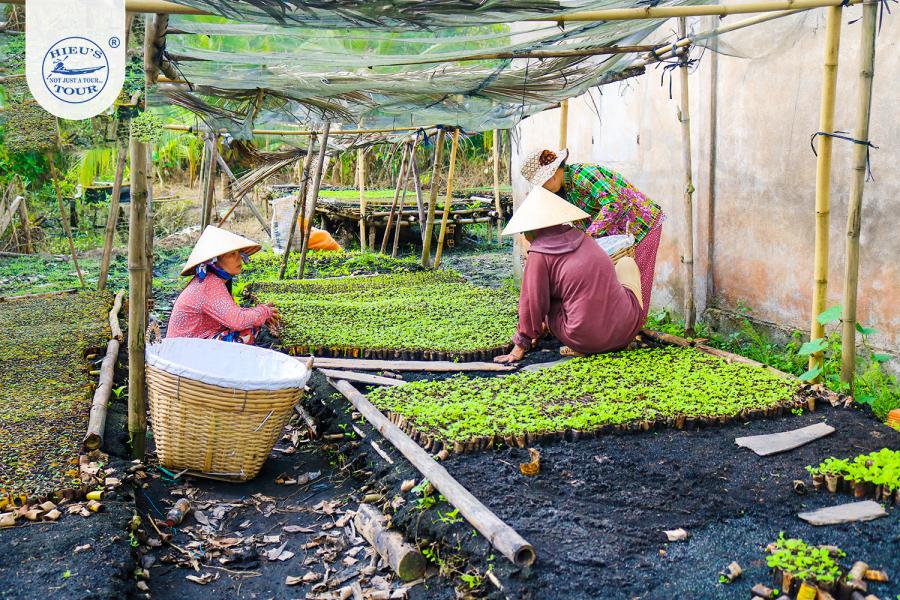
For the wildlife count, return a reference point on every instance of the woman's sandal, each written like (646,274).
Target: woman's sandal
(566,351)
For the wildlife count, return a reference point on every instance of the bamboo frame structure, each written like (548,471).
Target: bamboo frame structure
(684,115)
(563,124)
(857,184)
(304,178)
(401,185)
(412,159)
(137,299)
(823,175)
(227,172)
(361,173)
(432,200)
(113,218)
(62,216)
(612,14)
(317,182)
(495,151)
(448,200)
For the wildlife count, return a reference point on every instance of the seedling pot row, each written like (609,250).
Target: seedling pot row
(859,489)
(395,354)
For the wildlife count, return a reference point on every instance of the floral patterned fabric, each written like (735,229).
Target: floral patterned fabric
(616,206)
(205,309)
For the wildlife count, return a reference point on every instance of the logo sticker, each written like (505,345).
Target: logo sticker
(75,70)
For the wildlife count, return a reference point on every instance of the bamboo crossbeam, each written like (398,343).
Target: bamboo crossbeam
(684,115)
(113,217)
(823,175)
(289,132)
(430,366)
(448,201)
(560,53)
(613,14)
(360,377)
(501,536)
(97,421)
(857,184)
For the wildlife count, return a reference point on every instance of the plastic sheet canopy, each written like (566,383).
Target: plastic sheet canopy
(387,65)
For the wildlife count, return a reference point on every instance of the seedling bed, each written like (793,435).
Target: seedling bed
(319,265)
(875,475)
(638,390)
(46,386)
(432,315)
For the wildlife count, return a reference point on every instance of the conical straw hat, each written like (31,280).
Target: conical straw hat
(542,208)
(216,242)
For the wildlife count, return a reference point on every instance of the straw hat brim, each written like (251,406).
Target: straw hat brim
(216,242)
(542,208)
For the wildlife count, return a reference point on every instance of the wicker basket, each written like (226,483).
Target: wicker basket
(615,256)
(217,408)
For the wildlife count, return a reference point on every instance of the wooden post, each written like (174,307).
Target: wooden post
(823,175)
(24,220)
(684,116)
(713,160)
(401,185)
(63,218)
(857,183)
(97,419)
(563,124)
(113,217)
(361,170)
(404,558)
(317,182)
(409,170)
(497,205)
(432,199)
(448,201)
(304,178)
(209,189)
(137,299)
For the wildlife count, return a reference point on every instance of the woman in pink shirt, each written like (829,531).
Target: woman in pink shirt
(206,308)
(570,285)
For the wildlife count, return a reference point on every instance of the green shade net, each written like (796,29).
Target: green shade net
(296,64)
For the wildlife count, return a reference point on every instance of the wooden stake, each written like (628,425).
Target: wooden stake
(448,201)
(97,420)
(401,184)
(857,183)
(298,206)
(317,182)
(497,206)
(501,536)
(823,175)
(137,299)
(688,258)
(432,200)
(563,124)
(405,559)
(113,217)
(409,170)
(361,171)
(62,216)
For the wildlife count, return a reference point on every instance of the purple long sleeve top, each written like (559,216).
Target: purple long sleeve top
(570,283)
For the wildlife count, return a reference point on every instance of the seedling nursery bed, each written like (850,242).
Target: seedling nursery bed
(46,386)
(432,315)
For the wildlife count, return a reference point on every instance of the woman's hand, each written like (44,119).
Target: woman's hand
(517,354)
(274,321)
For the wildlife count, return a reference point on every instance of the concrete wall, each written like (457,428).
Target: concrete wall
(755,246)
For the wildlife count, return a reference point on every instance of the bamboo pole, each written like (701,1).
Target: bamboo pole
(611,14)
(557,53)
(62,216)
(432,198)
(429,366)
(112,219)
(97,421)
(563,124)
(304,178)
(497,205)
(448,200)
(857,184)
(412,159)
(209,190)
(823,175)
(420,202)
(137,299)
(401,186)
(361,173)
(404,558)
(501,536)
(317,182)
(226,170)
(688,258)
(713,159)
(302,132)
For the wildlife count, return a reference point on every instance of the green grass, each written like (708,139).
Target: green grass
(587,394)
(45,386)
(426,311)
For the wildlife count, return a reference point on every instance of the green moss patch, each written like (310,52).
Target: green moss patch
(432,314)
(635,389)
(45,386)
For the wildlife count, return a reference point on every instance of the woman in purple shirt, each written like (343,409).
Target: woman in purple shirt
(570,286)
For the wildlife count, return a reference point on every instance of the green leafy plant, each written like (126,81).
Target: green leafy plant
(804,562)
(880,468)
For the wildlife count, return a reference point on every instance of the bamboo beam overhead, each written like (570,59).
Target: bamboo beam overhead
(612,14)
(286,132)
